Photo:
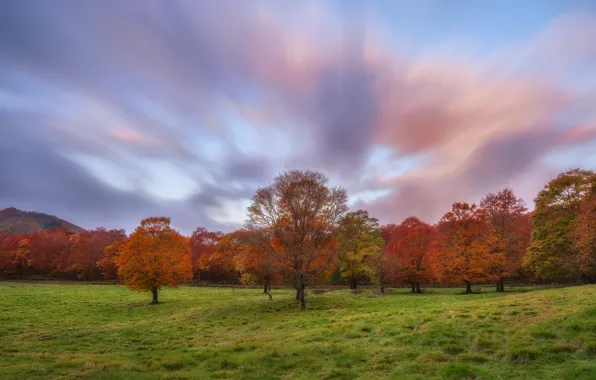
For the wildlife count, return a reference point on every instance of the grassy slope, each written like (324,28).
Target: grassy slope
(107,332)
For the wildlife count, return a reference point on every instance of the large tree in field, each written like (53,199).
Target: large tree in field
(410,246)
(553,252)
(508,218)
(463,251)
(154,256)
(300,213)
(359,245)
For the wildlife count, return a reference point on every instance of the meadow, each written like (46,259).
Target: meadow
(54,331)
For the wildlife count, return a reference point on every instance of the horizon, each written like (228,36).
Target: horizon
(115,111)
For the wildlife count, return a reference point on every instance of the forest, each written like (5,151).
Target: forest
(299,233)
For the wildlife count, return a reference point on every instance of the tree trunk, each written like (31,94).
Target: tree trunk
(413,287)
(301,295)
(502,285)
(382,288)
(418,290)
(268,291)
(468,287)
(154,292)
(353,284)
(265,289)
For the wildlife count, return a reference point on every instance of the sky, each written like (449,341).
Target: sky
(112,111)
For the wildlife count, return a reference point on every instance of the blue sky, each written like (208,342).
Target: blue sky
(114,111)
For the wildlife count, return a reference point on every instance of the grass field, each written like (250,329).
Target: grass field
(107,332)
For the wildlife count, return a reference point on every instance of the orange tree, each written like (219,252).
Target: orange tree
(463,250)
(252,256)
(299,212)
(155,255)
(410,245)
(510,222)
(585,239)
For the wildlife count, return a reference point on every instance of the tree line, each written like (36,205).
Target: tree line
(299,232)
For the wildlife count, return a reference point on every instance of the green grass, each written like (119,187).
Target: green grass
(107,332)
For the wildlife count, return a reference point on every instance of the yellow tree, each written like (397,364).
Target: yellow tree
(22,257)
(359,245)
(155,255)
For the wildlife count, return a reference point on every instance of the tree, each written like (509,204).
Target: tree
(107,264)
(359,245)
(299,212)
(410,245)
(22,257)
(585,239)
(385,265)
(208,263)
(155,255)
(87,249)
(252,256)
(508,219)
(463,253)
(553,252)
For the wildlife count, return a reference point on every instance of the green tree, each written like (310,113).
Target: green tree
(359,244)
(553,253)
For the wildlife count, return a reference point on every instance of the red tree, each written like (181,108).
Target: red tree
(410,245)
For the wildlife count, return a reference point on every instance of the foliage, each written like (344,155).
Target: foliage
(207,262)
(553,252)
(359,245)
(299,212)
(510,224)
(585,238)
(463,251)
(253,256)
(155,255)
(410,245)
(298,234)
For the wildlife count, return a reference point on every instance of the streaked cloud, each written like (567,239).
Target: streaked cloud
(112,111)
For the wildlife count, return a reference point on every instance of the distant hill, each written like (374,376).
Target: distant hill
(16,222)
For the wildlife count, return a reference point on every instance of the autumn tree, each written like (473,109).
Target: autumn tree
(107,264)
(22,257)
(87,249)
(155,255)
(385,264)
(300,213)
(553,251)
(585,238)
(359,245)
(208,263)
(410,245)
(253,257)
(507,216)
(463,251)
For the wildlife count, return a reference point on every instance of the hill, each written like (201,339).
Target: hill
(16,222)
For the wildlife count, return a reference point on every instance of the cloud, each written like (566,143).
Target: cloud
(117,110)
